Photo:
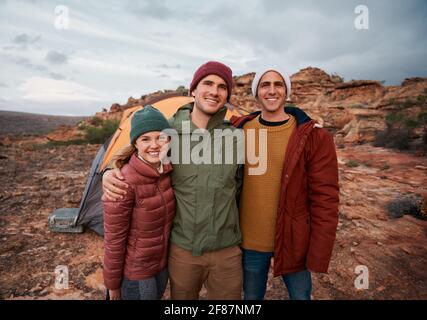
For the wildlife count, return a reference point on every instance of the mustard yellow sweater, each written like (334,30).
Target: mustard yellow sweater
(260,195)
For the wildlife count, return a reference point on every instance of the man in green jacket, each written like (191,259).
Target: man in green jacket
(205,236)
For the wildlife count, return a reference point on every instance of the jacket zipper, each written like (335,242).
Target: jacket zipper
(166,210)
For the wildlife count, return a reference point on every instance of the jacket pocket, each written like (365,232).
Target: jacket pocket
(300,236)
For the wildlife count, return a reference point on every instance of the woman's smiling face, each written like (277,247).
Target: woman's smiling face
(150,145)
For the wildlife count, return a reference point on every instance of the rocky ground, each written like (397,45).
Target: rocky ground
(12,122)
(37,180)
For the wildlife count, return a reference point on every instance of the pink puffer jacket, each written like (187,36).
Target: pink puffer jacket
(137,228)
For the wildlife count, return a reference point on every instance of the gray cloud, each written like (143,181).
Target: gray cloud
(22,42)
(163,34)
(166,66)
(3,84)
(322,34)
(26,39)
(27,63)
(56,58)
(21,39)
(56,76)
(165,10)
(154,9)
(243,34)
(302,33)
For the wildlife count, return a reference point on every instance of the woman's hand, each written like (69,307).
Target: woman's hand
(115,294)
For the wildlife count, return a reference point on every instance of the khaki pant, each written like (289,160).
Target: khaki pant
(220,271)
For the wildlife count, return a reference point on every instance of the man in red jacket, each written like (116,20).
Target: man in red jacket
(291,211)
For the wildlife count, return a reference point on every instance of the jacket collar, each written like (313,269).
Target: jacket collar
(183,114)
(146,170)
(300,116)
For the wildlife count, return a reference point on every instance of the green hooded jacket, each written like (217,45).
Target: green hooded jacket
(207,216)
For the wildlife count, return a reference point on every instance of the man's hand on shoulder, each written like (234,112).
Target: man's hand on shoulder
(113,186)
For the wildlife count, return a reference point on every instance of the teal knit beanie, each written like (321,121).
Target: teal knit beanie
(145,120)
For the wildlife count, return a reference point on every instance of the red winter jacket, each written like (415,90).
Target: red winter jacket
(137,228)
(307,215)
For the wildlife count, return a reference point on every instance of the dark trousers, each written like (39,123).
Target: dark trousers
(147,289)
(255,274)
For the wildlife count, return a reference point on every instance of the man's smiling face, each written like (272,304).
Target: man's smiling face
(271,92)
(210,94)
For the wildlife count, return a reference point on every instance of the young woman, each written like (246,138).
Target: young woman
(137,227)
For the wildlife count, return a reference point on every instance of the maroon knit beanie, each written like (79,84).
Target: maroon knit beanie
(213,67)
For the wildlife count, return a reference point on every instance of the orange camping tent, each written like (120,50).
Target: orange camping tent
(167,106)
(90,213)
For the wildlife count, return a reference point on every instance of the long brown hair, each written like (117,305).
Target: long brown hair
(122,156)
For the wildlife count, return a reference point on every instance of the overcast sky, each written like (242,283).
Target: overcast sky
(112,50)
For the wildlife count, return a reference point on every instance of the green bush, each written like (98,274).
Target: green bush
(394,118)
(422,120)
(399,130)
(421,99)
(380,139)
(402,205)
(93,135)
(408,103)
(352,164)
(393,138)
(81,125)
(424,142)
(98,135)
(386,166)
(392,101)
(95,121)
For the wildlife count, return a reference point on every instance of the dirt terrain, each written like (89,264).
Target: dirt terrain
(12,122)
(35,181)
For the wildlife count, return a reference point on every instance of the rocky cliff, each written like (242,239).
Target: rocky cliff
(354,110)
